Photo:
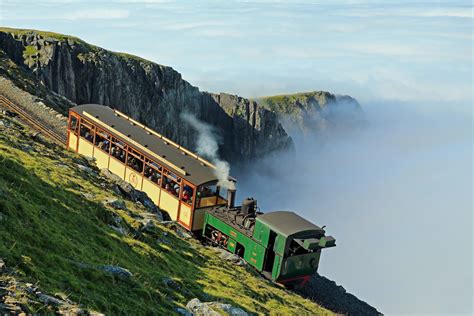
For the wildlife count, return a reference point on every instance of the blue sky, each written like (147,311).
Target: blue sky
(397,50)
(398,195)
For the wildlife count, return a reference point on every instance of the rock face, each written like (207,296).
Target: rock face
(334,297)
(153,94)
(314,111)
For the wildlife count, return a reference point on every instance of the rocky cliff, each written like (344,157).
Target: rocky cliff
(314,111)
(153,94)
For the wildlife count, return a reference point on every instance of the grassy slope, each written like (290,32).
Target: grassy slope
(49,229)
(292,104)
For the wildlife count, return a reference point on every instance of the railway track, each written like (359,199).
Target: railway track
(32,122)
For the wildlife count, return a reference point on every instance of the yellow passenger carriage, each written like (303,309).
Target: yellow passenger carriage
(177,180)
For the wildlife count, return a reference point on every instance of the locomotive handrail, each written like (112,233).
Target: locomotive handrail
(28,118)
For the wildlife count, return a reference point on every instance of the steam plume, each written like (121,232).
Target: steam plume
(207,146)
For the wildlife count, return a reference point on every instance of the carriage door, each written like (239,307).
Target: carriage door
(270,253)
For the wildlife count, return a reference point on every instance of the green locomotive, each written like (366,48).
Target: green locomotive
(283,246)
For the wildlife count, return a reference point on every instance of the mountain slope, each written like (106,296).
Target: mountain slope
(58,232)
(153,94)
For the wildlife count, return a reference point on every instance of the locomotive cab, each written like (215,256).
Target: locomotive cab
(293,246)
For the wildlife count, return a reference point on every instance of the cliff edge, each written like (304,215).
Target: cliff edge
(151,93)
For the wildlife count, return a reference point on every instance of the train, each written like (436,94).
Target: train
(282,246)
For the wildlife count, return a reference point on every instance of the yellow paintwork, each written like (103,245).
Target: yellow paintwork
(152,190)
(134,178)
(185,214)
(170,204)
(72,141)
(102,159)
(116,166)
(85,148)
(207,201)
(221,201)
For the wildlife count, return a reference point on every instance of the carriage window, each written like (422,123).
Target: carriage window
(87,133)
(187,195)
(74,123)
(118,150)
(153,172)
(102,140)
(207,191)
(135,163)
(170,185)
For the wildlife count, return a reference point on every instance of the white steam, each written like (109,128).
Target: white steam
(208,147)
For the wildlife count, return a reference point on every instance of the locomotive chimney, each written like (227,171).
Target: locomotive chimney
(230,198)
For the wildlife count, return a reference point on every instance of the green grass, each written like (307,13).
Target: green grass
(61,37)
(53,236)
(44,34)
(29,51)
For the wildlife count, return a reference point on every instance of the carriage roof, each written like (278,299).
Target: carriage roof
(153,145)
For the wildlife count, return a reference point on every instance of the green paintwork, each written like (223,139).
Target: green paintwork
(276,267)
(300,265)
(261,233)
(254,252)
(231,245)
(284,267)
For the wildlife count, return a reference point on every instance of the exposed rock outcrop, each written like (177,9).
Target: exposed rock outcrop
(153,94)
(314,111)
(335,297)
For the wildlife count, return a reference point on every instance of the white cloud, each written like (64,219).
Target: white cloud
(97,14)
(459,13)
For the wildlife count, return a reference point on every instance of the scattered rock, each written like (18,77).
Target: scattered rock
(125,189)
(184,312)
(50,300)
(120,230)
(199,308)
(227,256)
(117,204)
(116,270)
(334,297)
(88,196)
(172,284)
(86,169)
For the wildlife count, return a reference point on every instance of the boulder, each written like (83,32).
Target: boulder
(50,300)
(184,312)
(227,256)
(117,204)
(199,308)
(116,270)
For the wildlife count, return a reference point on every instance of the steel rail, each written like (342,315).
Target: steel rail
(32,122)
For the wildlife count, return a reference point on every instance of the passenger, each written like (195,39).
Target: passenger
(105,145)
(186,196)
(88,136)
(168,187)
